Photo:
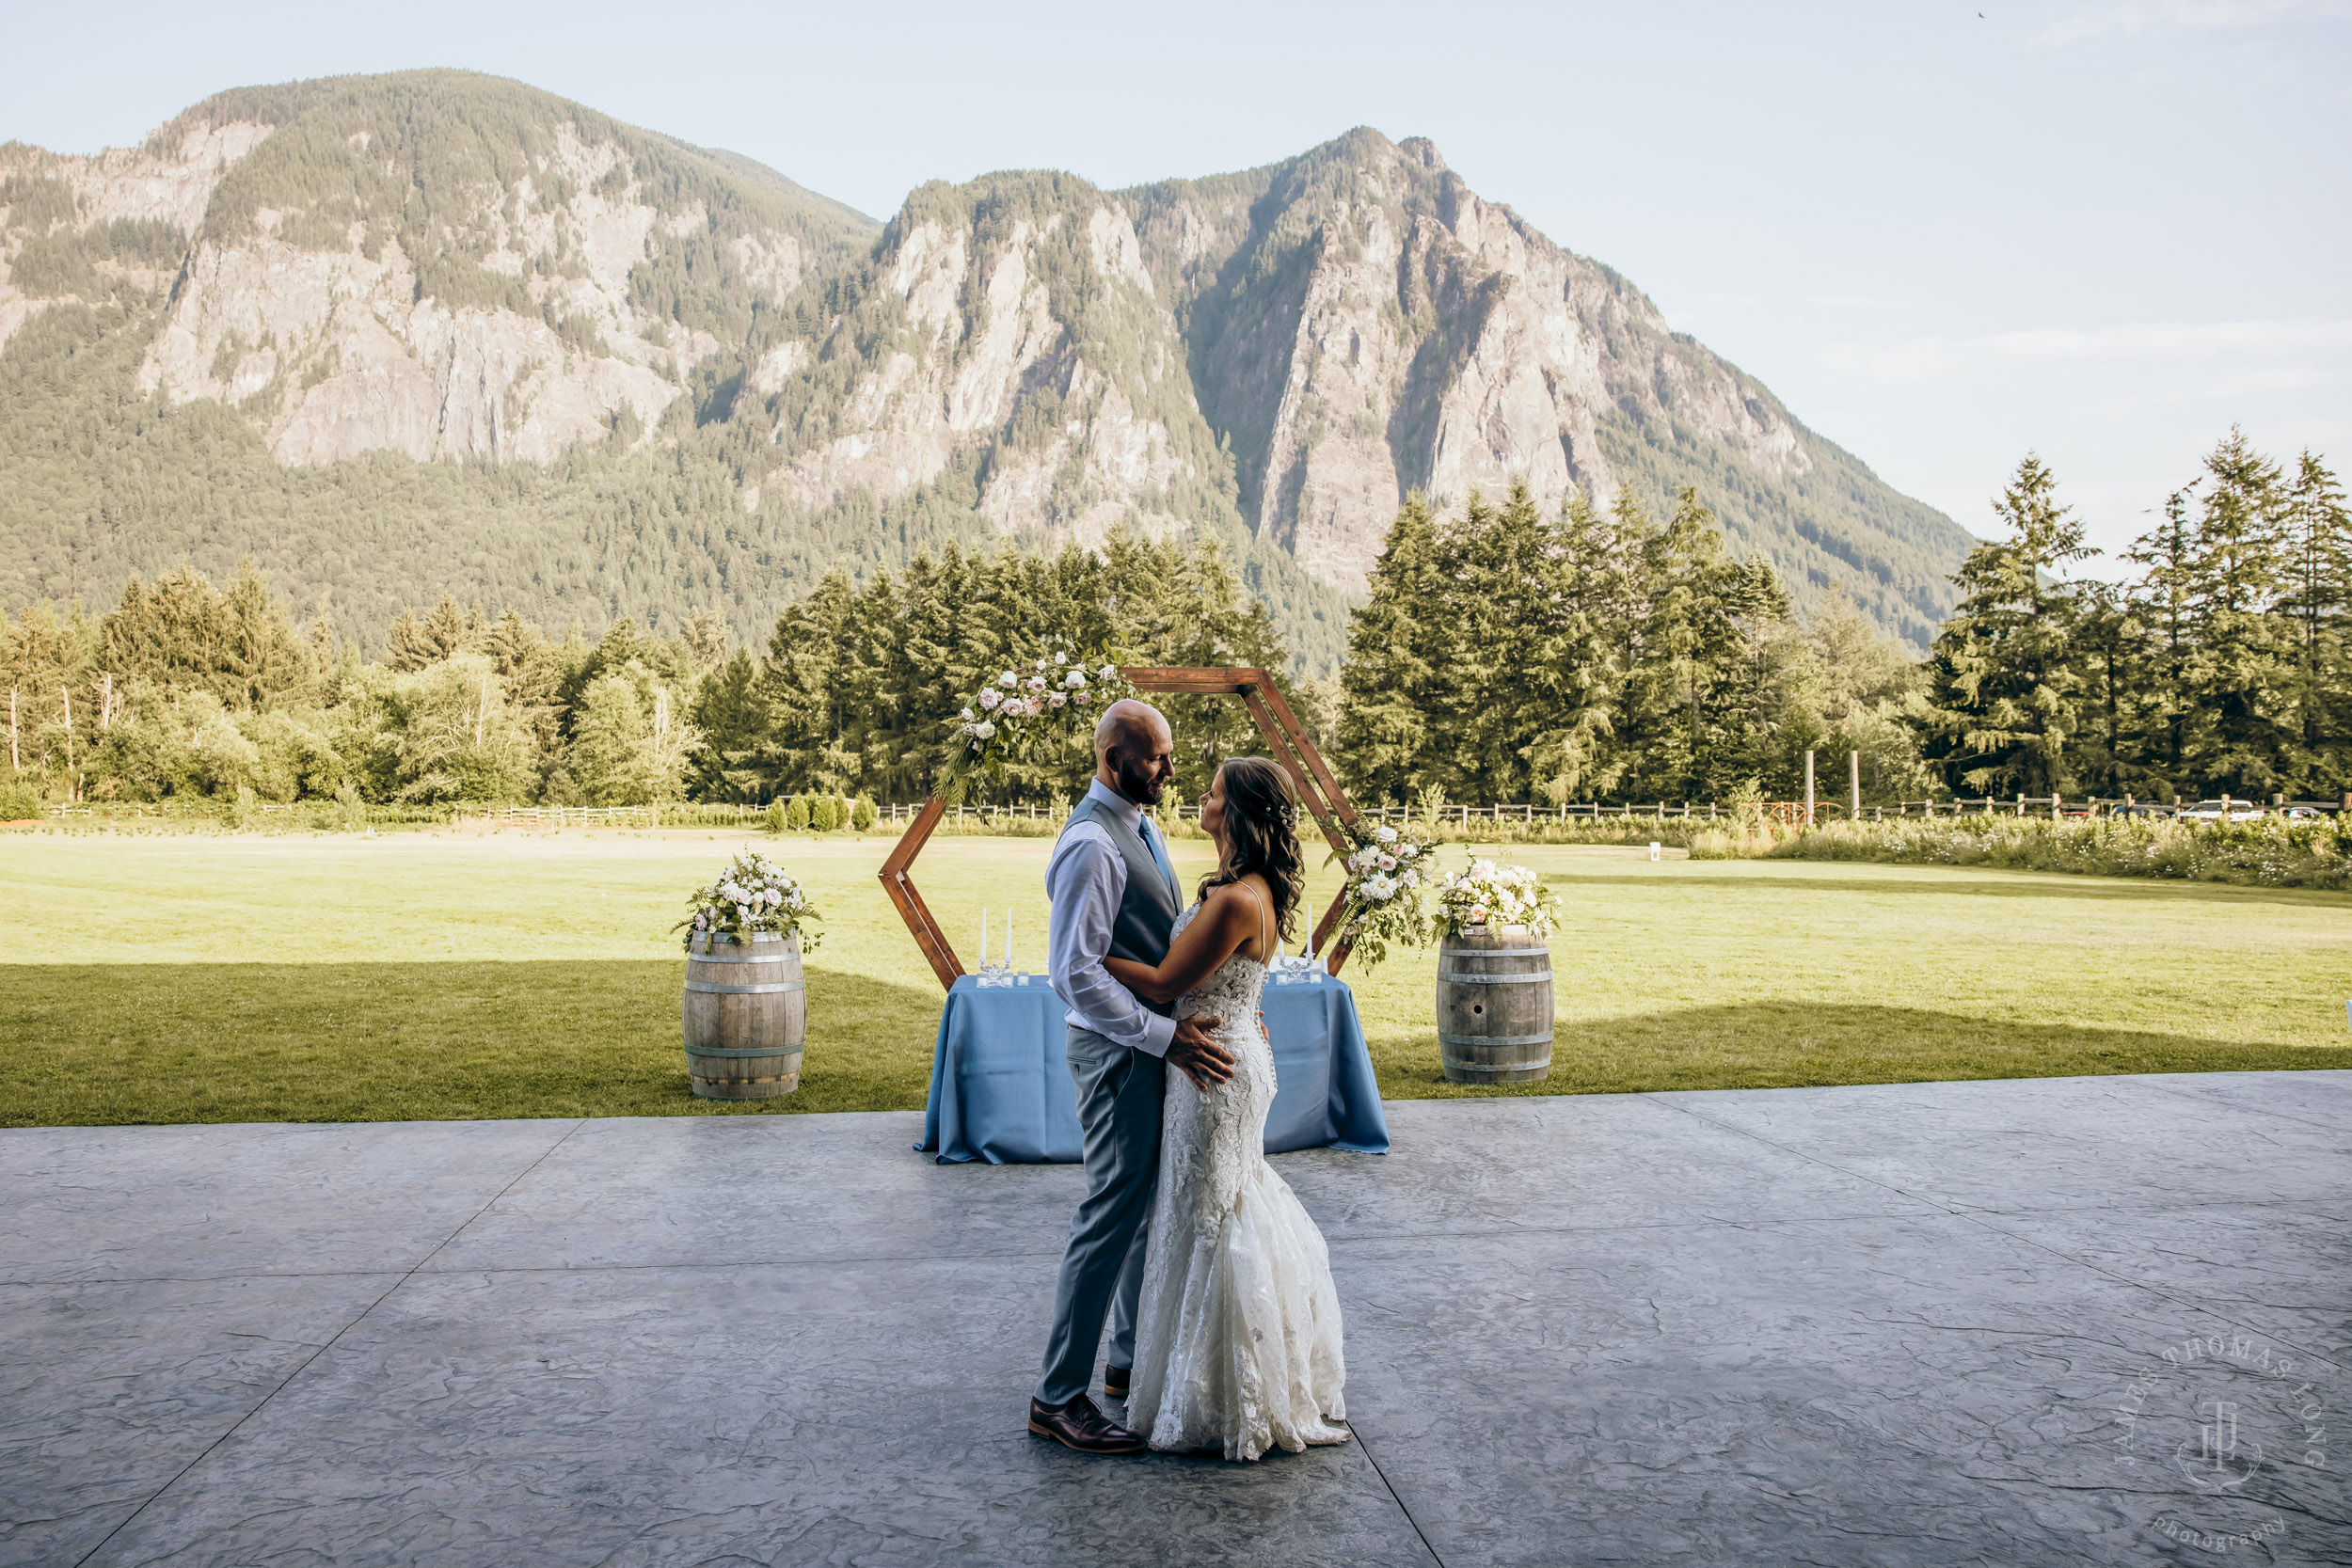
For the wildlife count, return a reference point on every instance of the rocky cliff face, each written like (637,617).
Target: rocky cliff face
(510,321)
(1009,326)
(1361,325)
(462,271)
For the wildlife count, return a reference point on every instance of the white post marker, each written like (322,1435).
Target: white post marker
(1653,848)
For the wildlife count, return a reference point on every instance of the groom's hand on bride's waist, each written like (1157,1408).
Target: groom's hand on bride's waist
(1196,1051)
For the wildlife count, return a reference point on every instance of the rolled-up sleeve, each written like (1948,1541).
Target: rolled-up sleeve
(1084,883)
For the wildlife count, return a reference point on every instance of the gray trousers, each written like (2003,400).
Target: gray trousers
(1118,1112)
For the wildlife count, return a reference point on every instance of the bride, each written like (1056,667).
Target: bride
(1238,1337)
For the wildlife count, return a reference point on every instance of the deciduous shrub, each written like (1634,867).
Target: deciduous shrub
(19,799)
(796,815)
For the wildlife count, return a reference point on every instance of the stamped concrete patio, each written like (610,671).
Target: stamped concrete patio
(1917,1324)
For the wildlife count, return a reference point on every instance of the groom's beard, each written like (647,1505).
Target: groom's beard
(1143,786)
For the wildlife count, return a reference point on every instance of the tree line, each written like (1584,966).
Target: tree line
(2220,665)
(1504,652)
(185,689)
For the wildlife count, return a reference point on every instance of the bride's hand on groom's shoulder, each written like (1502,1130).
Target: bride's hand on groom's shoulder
(1196,1051)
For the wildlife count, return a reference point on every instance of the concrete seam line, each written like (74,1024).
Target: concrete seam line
(332,1340)
(1977,1218)
(1390,1488)
(2258,1110)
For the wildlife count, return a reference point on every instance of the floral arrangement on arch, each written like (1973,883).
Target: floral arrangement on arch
(1389,871)
(1488,894)
(1010,716)
(752,894)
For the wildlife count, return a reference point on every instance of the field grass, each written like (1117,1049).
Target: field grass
(336,977)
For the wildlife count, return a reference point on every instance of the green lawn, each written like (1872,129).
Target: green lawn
(252,978)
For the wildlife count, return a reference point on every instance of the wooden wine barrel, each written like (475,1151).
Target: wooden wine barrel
(1494,1008)
(745,1016)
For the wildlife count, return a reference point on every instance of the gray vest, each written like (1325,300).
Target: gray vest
(1149,907)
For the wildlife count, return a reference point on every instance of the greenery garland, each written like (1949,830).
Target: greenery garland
(1022,712)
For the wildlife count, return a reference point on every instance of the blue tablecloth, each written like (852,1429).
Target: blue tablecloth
(1001,1089)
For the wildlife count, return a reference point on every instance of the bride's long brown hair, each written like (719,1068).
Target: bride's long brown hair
(1262,835)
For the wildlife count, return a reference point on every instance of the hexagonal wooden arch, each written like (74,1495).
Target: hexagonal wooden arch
(1276,721)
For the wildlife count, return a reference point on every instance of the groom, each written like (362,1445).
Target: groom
(1113,891)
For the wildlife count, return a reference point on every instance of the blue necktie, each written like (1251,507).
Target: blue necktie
(1159,856)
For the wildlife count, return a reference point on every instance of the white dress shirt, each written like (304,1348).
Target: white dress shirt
(1084,882)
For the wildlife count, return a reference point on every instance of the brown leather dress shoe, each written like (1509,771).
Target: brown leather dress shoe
(1080,1426)
(1116,1381)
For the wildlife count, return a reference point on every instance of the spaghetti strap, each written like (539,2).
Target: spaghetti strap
(1260,903)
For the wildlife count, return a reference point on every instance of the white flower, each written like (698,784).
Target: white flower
(1076,679)
(982,730)
(701,923)
(774,897)
(1386,835)
(1388,863)
(1037,683)
(1008,680)
(1478,914)
(989,699)
(1108,671)
(1410,877)
(1084,698)
(1061,659)
(1406,851)
(1058,700)
(967,713)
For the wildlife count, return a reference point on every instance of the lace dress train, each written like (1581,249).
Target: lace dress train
(1238,1334)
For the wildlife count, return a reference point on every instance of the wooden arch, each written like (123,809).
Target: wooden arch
(1316,788)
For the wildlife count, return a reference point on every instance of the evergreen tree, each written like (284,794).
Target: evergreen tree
(2005,677)
(1388,682)
(1572,754)
(2317,602)
(2239,683)
(2162,603)
(1499,678)
(737,717)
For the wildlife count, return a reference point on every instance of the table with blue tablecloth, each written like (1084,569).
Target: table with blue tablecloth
(1001,1089)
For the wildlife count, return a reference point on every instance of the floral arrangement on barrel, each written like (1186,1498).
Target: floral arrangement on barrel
(1008,719)
(1388,876)
(1485,895)
(752,894)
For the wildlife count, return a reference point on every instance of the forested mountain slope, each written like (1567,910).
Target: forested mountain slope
(391,336)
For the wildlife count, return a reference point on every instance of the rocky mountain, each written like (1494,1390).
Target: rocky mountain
(397,336)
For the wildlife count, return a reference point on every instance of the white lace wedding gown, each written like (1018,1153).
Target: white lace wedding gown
(1238,1334)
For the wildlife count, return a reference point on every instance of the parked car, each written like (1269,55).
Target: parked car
(2140,808)
(2214,811)
(2304,813)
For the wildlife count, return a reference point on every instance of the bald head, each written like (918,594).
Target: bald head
(1128,724)
(1135,750)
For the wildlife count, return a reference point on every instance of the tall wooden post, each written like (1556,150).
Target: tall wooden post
(1854,787)
(1808,790)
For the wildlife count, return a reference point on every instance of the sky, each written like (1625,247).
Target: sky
(1943,235)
